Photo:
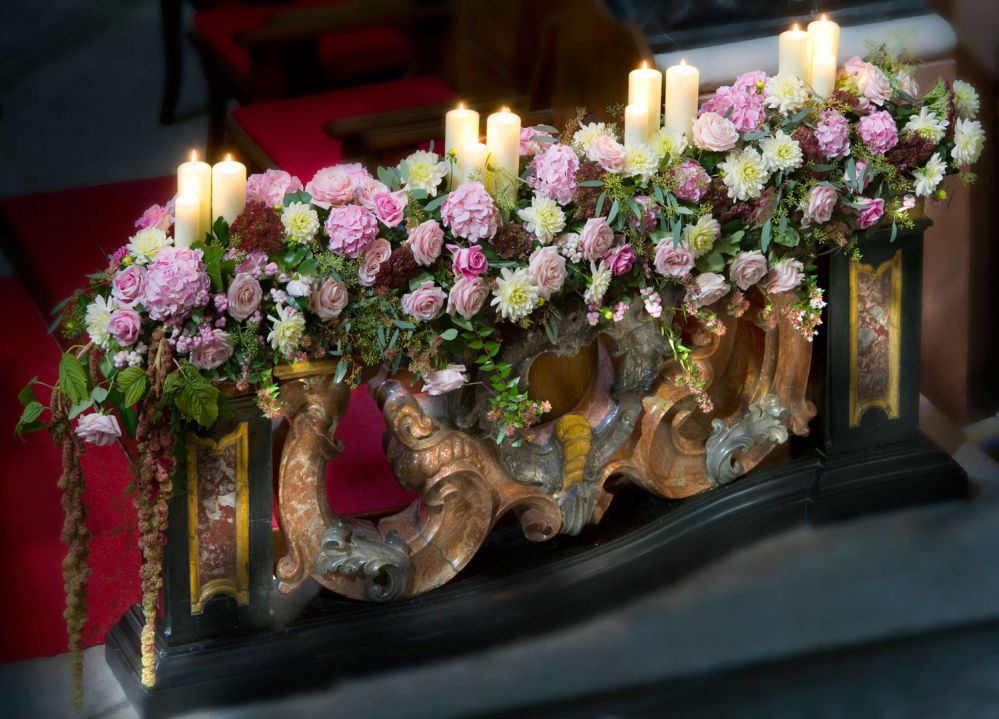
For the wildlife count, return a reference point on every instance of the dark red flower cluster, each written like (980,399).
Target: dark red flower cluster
(847,99)
(257,229)
(396,272)
(951,112)
(809,145)
(725,209)
(512,241)
(910,152)
(586,197)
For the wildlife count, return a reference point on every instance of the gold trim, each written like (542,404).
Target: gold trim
(890,402)
(239,587)
(305,369)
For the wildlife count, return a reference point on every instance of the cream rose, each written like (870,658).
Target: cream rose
(747,269)
(329,299)
(785,275)
(547,269)
(821,202)
(596,238)
(445,380)
(709,287)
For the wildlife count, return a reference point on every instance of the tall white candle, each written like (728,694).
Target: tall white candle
(503,140)
(823,39)
(823,74)
(636,124)
(682,83)
(793,58)
(195,178)
(186,218)
(461,128)
(472,160)
(645,87)
(228,189)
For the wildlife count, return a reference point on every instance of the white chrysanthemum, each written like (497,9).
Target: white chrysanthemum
(586,134)
(668,142)
(98,318)
(301,222)
(969,141)
(515,295)
(701,235)
(785,93)
(745,174)
(599,284)
(422,171)
(929,176)
(147,243)
(781,152)
(966,100)
(641,161)
(544,218)
(286,330)
(927,124)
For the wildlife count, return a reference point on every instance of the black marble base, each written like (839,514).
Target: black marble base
(515,589)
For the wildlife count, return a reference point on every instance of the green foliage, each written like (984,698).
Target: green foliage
(194,396)
(132,382)
(73,378)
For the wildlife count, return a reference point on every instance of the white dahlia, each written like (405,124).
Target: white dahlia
(301,222)
(969,141)
(781,152)
(966,100)
(927,124)
(599,283)
(97,319)
(701,235)
(422,171)
(640,160)
(785,93)
(286,330)
(515,295)
(744,174)
(145,244)
(544,218)
(586,134)
(929,176)
(668,142)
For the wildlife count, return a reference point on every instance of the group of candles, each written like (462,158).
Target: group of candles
(501,148)
(206,192)
(811,55)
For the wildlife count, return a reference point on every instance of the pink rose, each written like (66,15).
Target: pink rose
(331,186)
(211,350)
(872,211)
(714,132)
(469,262)
(445,380)
(873,84)
(821,202)
(351,229)
(127,285)
(125,326)
(854,65)
(709,287)
(371,261)
(621,259)
(426,242)
(607,152)
(389,207)
(425,302)
(547,268)
(673,261)
(863,178)
(470,213)
(467,297)
(156,216)
(747,269)
(365,191)
(244,296)
(878,131)
(329,299)
(595,238)
(99,429)
(271,186)
(785,275)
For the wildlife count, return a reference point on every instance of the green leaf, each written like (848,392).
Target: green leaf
(133,383)
(199,401)
(613,212)
(894,232)
(212,257)
(462,322)
(98,394)
(341,371)
(55,324)
(403,325)
(32,411)
(295,255)
(58,308)
(419,280)
(129,420)
(301,196)
(72,378)
(591,183)
(220,229)
(551,329)
(78,408)
(27,395)
(600,204)
(107,365)
(450,334)
(436,202)
(492,348)
(765,234)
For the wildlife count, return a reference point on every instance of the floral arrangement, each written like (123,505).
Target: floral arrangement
(396,270)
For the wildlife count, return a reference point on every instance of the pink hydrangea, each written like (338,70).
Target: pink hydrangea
(351,229)
(833,135)
(690,181)
(176,283)
(878,131)
(528,145)
(157,216)
(742,103)
(469,212)
(270,187)
(750,81)
(555,173)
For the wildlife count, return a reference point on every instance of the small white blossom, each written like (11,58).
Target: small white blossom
(929,176)
(97,318)
(966,100)
(568,245)
(586,134)
(599,283)
(544,218)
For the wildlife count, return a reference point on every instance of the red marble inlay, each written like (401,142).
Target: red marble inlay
(874,320)
(217,513)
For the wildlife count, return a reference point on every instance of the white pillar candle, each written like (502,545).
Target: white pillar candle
(793,58)
(645,87)
(503,140)
(472,160)
(823,39)
(461,128)
(682,83)
(636,124)
(186,218)
(823,75)
(195,178)
(228,189)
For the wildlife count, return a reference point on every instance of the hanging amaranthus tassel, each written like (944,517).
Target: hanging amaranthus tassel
(75,535)
(153,488)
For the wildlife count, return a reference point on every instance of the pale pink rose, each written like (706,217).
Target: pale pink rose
(709,287)
(99,429)
(821,202)
(469,262)
(785,275)
(126,287)
(467,297)
(389,207)
(595,238)
(547,269)
(212,350)
(365,191)
(854,65)
(270,187)
(125,326)
(873,84)
(608,152)
(329,299)
(714,132)
(371,261)
(331,186)
(425,302)
(673,261)
(872,211)
(445,380)
(621,259)
(426,242)
(244,296)
(747,269)
(157,216)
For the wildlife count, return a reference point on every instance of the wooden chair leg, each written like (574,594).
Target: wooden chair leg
(170,14)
